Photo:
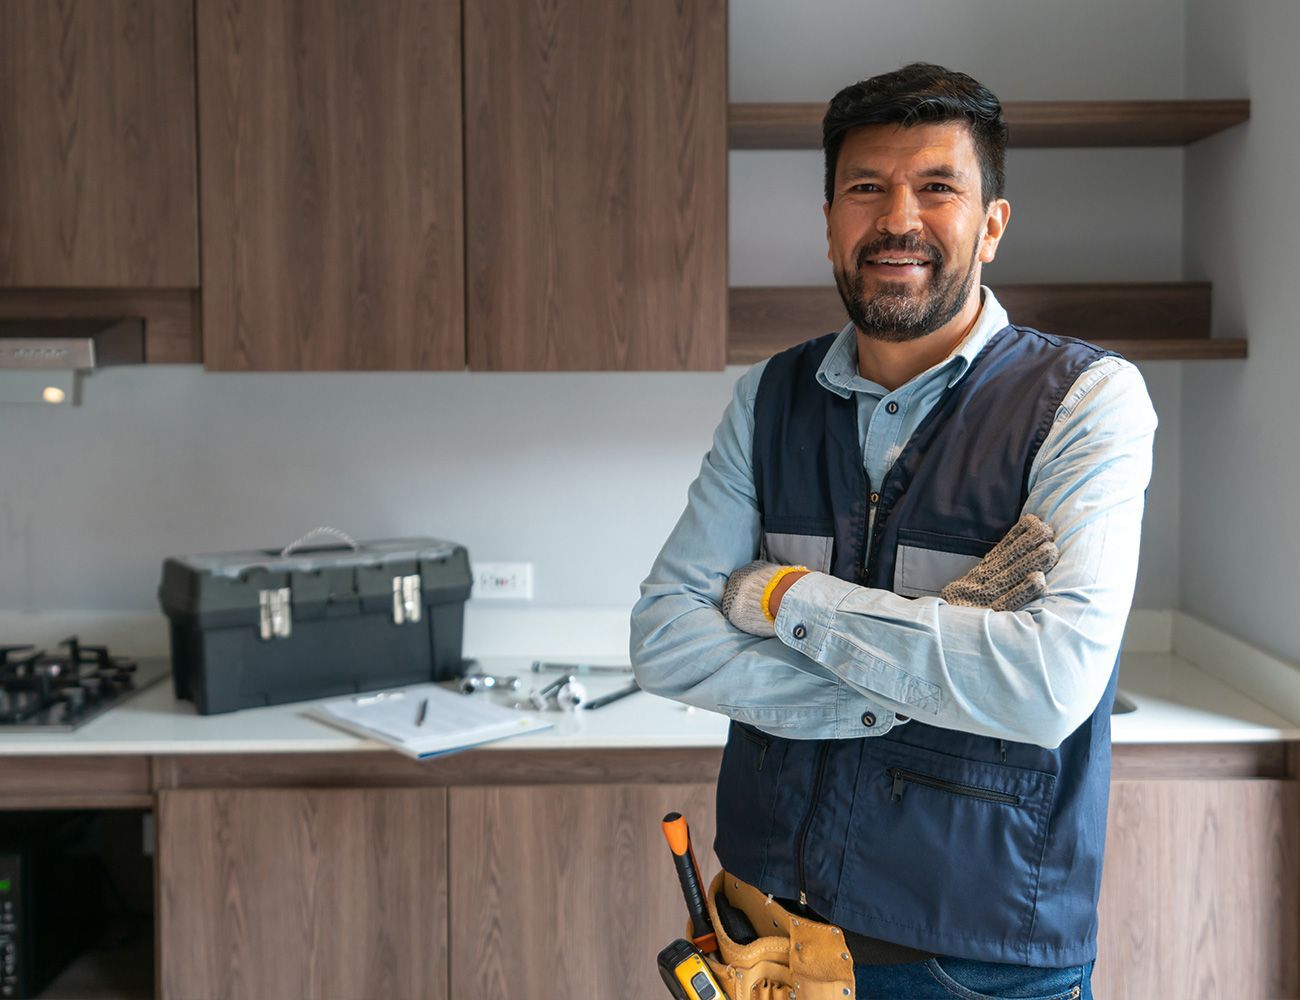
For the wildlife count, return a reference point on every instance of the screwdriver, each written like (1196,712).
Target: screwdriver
(678,834)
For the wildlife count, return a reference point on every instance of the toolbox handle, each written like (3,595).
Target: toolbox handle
(293,546)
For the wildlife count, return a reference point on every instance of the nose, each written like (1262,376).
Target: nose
(901,213)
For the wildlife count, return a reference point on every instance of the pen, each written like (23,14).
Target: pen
(424,707)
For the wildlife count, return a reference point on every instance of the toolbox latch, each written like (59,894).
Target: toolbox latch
(406,599)
(276,618)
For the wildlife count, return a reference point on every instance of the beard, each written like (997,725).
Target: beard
(899,312)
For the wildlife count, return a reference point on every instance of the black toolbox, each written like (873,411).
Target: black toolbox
(267,627)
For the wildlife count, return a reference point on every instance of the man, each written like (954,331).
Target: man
(928,775)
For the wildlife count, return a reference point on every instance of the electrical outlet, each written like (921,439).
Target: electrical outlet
(503,581)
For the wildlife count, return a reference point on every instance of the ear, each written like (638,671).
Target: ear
(826,211)
(995,224)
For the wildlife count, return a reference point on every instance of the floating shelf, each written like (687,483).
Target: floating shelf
(1033,124)
(1144,322)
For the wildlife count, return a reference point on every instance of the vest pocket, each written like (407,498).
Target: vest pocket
(789,549)
(746,799)
(944,844)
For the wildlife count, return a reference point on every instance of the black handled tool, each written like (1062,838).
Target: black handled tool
(688,873)
(605,699)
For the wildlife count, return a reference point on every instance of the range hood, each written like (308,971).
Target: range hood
(41,360)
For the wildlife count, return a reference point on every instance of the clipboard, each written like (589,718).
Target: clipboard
(451,721)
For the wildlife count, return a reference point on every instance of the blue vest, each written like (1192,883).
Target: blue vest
(939,840)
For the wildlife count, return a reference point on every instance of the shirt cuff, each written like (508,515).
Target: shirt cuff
(803,623)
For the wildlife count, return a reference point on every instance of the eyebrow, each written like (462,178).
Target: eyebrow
(942,170)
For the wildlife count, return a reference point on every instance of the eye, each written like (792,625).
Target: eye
(866,187)
(939,187)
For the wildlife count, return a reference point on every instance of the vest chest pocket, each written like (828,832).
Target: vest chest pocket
(928,561)
(790,549)
(945,842)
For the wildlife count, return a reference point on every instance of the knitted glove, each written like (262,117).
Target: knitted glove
(1012,574)
(744,601)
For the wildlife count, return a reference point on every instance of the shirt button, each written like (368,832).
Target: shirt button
(799,631)
(875,498)
(891,406)
(868,718)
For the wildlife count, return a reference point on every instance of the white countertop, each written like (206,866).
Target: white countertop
(1177,702)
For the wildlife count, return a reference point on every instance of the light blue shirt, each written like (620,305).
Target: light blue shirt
(869,655)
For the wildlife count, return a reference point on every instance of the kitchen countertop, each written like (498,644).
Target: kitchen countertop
(1176,701)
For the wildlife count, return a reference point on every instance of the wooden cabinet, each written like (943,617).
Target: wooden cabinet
(302,893)
(596,184)
(567,890)
(330,154)
(1201,891)
(97,162)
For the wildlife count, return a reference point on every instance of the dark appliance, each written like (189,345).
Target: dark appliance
(266,627)
(62,689)
(51,896)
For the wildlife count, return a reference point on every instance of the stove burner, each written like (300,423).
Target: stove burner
(64,688)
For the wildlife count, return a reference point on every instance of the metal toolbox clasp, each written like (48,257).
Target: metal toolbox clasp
(274,611)
(406,599)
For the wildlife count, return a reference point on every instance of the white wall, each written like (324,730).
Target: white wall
(584,474)
(1241,433)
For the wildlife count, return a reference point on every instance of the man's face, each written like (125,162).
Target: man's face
(907,231)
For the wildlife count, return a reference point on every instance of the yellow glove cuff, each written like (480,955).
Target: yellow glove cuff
(771,586)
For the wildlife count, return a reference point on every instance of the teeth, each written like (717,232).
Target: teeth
(899,260)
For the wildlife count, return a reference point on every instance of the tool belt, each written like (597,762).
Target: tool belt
(793,958)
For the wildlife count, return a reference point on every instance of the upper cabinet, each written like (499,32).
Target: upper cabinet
(330,165)
(97,186)
(596,184)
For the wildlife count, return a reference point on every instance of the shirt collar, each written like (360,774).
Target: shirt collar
(839,369)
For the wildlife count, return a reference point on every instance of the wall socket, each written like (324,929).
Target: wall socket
(503,581)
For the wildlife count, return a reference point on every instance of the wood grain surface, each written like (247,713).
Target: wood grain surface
(596,185)
(302,894)
(97,162)
(1032,124)
(74,782)
(1140,320)
(171,315)
(330,152)
(1201,891)
(568,891)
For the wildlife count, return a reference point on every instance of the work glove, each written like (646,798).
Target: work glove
(1012,574)
(744,600)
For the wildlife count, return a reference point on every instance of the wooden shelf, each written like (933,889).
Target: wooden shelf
(1033,124)
(1144,322)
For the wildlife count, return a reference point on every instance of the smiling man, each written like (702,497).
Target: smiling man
(920,740)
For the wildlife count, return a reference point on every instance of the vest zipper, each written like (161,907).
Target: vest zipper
(807,822)
(901,777)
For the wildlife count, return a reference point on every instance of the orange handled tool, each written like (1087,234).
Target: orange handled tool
(688,873)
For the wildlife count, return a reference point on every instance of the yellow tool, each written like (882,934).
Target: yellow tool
(683,970)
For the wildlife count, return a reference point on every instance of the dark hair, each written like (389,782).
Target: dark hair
(916,94)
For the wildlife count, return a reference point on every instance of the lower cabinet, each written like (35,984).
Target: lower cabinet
(297,893)
(568,890)
(537,891)
(1200,891)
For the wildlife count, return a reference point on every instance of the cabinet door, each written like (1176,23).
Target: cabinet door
(1200,891)
(330,153)
(568,890)
(97,144)
(302,893)
(596,189)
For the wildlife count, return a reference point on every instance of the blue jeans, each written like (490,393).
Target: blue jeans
(946,978)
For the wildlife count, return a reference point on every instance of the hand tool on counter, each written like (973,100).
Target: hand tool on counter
(488,682)
(678,834)
(541,666)
(685,973)
(605,699)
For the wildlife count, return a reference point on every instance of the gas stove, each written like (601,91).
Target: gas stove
(62,689)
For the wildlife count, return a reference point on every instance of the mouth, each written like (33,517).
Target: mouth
(896,266)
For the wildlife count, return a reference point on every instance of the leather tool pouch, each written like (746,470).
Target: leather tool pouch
(793,958)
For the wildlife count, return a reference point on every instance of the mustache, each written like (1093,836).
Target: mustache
(913,245)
